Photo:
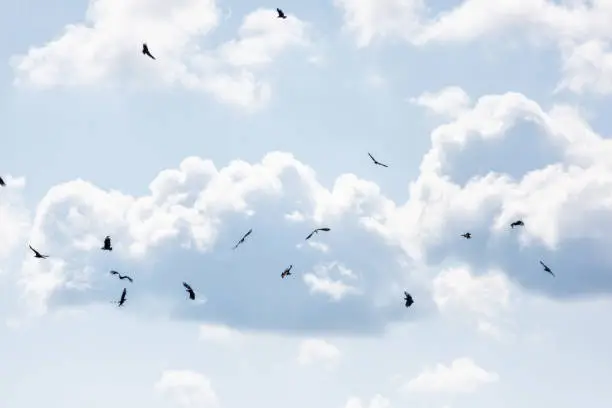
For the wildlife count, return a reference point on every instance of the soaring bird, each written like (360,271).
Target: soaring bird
(281,13)
(467,235)
(316,231)
(517,223)
(2,183)
(376,161)
(145,51)
(243,238)
(546,268)
(408,298)
(189,290)
(123,298)
(122,277)
(286,272)
(38,254)
(107,244)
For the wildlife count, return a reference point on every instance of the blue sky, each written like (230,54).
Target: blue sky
(486,112)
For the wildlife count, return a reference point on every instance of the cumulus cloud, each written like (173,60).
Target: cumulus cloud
(188,389)
(105,48)
(460,377)
(218,333)
(378,401)
(320,281)
(579,29)
(312,351)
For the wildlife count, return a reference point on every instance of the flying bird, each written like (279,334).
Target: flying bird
(286,272)
(408,298)
(243,238)
(145,51)
(546,268)
(107,244)
(189,290)
(281,13)
(123,298)
(376,161)
(122,277)
(2,183)
(38,254)
(467,235)
(517,223)
(316,231)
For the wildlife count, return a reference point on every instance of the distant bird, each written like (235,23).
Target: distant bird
(286,272)
(316,231)
(122,277)
(189,290)
(546,268)
(408,298)
(467,235)
(145,51)
(376,161)
(2,183)
(281,13)
(243,238)
(123,298)
(107,244)
(38,254)
(517,223)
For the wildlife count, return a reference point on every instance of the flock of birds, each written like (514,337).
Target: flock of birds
(107,245)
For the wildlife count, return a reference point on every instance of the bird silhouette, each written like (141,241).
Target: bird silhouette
(286,272)
(120,276)
(376,161)
(517,223)
(316,231)
(38,254)
(107,244)
(281,13)
(189,290)
(546,268)
(241,241)
(145,51)
(2,183)
(123,298)
(408,298)
(467,235)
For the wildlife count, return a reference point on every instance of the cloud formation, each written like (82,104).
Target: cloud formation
(104,50)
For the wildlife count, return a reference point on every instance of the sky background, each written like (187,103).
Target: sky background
(486,112)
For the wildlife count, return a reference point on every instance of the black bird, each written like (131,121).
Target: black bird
(2,183)
(467,235)
(316,231)
(281,14)
(123,298)
(38,254)
(546,268)
(286,272)
(517,223)
(145,51)
(376,161)
(189,290)
(107,244)
(408,299)
(122,277)
(243,238)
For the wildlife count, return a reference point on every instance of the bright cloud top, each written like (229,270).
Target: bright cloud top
(106,46)
(188,389)
(314,351)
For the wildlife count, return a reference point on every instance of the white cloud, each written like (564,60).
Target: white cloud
(14,218)
(579,29)
(188,389)
(450,101)
(106,48)
(218,333)
(313,351)
(378,401)
(320,281)
(462,376)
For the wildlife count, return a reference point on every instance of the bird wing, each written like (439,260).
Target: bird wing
(124,293)
(107,241)
(114,273)
(2,183)
(279,11)
(381,164)
(543,264)
(187,286)
(325,229)
(35,251)
(130,279)
(310,235)
(372,157)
